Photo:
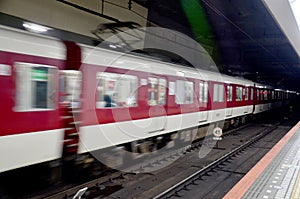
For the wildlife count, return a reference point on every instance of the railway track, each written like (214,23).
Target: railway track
(182,185)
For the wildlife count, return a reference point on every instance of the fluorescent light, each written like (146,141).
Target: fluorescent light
(35,27)
(112,46)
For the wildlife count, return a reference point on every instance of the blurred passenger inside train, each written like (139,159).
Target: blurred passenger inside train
(109,101)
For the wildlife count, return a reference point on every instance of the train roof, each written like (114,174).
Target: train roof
(21,41)
(94,55)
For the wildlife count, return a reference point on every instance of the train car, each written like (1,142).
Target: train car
(262,99)
(268,98)
(61,99)
(167,98)
(30,130)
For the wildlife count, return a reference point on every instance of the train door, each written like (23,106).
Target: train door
(229,100)
(203,100)
(70,103)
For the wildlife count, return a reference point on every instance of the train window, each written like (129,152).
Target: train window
(162,83)
(239,93)
(246,94)
(203,92)
(229,93)
(152,91)
(156,91)
(265,96)
(251,94)
(257,94)
(35,87)
(279,95)
(116,90)
(285,95)
(218,93)
(184,92)
(70,87)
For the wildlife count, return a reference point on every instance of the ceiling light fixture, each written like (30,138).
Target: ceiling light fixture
(35,27)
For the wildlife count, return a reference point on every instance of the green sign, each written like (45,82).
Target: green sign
(39,74)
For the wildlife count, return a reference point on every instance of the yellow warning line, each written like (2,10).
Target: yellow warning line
(296,189)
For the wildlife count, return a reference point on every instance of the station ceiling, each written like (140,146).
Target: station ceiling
(242,37)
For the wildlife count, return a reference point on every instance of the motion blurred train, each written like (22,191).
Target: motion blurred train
(63,98)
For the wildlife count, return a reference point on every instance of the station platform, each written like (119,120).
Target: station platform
(276,175)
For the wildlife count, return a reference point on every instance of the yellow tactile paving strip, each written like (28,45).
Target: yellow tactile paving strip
(296,191)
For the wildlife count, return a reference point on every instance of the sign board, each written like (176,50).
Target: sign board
(217,132)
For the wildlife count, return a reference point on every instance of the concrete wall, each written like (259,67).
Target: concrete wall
(58,15)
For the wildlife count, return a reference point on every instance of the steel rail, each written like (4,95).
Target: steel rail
(182,184)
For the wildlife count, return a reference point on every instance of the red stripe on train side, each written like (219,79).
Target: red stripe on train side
(93,116)
(23,122)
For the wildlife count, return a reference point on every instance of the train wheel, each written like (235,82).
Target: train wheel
(243,119)
(236,123)
(56,173)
